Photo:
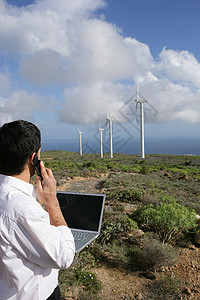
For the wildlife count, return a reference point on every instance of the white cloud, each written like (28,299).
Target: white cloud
(141,56)
(67,9)
(99,54)
(42,68)
(4,84)
(180,66)
(31,31)
(189,115)
(43,25)
(171,101)
(89,103)
(22,105)
(18,105)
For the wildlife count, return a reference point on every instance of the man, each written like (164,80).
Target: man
(34,243)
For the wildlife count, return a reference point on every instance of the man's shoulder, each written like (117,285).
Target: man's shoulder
(14,202)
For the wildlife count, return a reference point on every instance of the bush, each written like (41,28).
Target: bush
(86,260)
(114,225)
(153,254)
(168,219)
(118,207)
(166,287)
(145,170)
(127,195)
(88,280)
(89,164)
(78,277)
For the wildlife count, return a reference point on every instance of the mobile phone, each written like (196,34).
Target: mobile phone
(36,162)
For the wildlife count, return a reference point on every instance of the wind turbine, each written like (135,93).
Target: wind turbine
(141,102)
(101,142)
(109,119)
(80,141)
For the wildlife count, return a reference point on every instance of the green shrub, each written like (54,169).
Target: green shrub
(178,170)
(127,195)
(127,224)
(118,207)
(153,254)
(88,280)
(168,219)
(135,169)
(86,260)
(125,168)
(117,254)
(89,164)
(78,277)
(102,169)
(197,176)
(145,170)
(166,287)
(91,169)
(115,225)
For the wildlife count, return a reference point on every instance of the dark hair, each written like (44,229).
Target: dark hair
(18,140)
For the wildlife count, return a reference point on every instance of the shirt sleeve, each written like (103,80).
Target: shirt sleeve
(42,243)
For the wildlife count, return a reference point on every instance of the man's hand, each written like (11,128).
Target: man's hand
(46,192)
(46,189)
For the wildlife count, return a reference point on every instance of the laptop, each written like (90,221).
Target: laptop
(83,213)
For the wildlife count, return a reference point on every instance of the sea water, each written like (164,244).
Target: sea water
(161,145)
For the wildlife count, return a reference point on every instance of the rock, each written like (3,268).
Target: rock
(61,182)
(192,247)
(149,275)
(139,297)
(164,268)
(138,233)
(186,290)
(136,237)
(168,175)
(196,291)
(183,177)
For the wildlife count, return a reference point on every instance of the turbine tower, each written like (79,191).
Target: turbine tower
(80,141)
(141,103)
(110,133)
(101,141)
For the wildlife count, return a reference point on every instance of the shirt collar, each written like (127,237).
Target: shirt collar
(19,184)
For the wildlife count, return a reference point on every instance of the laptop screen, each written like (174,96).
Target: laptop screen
(81,211)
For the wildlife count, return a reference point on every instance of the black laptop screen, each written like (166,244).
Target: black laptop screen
(81,211)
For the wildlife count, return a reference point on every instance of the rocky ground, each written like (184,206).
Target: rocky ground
(181,281)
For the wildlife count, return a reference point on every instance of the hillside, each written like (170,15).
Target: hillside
(130,183)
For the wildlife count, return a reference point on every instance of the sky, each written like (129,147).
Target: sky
(68,64)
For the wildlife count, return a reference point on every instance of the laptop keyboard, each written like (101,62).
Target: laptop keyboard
(80,236)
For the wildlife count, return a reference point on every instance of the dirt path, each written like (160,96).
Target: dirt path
(120,285)
(81,185)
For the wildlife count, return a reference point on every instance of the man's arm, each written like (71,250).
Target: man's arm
(46,192)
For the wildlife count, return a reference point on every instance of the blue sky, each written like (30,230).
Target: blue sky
(172,23)
(65,64)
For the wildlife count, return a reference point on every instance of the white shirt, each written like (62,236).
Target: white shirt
(31,250)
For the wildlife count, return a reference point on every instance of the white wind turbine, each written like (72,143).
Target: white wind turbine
(109,119)
(80,141)
(101,141)
(141,102)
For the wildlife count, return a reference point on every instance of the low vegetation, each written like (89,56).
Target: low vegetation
(162,194)
(167,218)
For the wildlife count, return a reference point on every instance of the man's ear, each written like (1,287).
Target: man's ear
(32,157)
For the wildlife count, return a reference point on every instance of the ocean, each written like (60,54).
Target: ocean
(162,145)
